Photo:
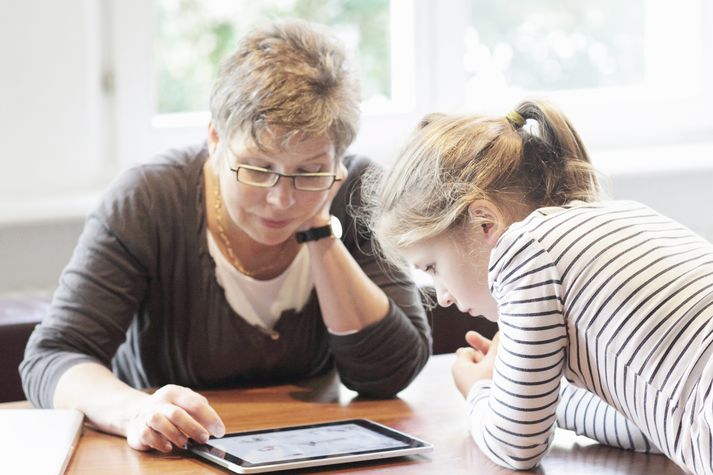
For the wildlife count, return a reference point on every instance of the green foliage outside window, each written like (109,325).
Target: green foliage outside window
(558,44)
(194,36)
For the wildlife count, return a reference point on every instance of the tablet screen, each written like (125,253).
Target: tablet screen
(309,442)
(309,445)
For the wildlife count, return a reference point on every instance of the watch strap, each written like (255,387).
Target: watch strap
(314,234)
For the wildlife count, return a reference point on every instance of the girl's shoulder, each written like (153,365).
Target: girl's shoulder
(546,231)
(546,226)
(542,220)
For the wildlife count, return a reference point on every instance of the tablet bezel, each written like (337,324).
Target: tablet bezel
(411,446)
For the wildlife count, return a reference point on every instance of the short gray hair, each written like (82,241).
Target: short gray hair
(292,76)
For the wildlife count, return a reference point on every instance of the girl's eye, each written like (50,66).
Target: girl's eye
(430,269)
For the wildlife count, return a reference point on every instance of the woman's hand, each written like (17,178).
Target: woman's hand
(475,362)
(321,217)
(168,417)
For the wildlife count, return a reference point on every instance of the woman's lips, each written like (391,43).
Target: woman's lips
(274,223)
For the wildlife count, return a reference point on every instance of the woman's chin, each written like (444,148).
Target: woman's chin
(269,236)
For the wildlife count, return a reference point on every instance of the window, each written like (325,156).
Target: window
(161,91)
(625,72)
(193,37)
(550,45)
(649,61)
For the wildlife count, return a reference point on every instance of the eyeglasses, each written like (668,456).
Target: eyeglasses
(262,178)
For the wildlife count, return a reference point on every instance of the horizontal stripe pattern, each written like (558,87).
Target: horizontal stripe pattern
(606,328)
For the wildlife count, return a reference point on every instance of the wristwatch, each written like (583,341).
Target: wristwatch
(334,228)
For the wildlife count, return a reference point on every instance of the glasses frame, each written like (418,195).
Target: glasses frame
(278,175)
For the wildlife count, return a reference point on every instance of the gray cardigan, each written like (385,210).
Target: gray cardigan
(140,295)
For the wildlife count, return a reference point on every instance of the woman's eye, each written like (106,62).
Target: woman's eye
(430,269)
(310,170)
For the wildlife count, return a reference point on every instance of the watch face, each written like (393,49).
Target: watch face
(336,227)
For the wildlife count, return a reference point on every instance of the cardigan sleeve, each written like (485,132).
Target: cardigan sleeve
(99,291)
(383,358)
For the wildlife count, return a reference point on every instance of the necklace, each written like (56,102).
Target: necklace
(218,207)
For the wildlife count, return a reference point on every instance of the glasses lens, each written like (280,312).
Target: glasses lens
(256,177)
(313,183)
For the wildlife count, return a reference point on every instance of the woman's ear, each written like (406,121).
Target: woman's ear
(489,219)
(212,138)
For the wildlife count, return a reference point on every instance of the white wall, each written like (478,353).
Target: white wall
(50,96)
(32,255)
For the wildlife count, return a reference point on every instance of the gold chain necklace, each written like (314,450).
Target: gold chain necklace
(218,207)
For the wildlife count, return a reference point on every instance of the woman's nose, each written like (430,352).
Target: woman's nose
(282,194)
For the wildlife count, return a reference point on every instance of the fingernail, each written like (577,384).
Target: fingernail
(203,438)
(218,430)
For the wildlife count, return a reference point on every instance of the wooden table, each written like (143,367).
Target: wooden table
(431,409)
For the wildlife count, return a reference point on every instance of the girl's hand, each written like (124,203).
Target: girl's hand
(478,341)
(475,362)
(321,217)
(168,417)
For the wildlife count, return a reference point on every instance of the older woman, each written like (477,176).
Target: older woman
(218,265)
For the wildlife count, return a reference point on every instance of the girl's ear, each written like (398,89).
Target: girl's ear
(489,220)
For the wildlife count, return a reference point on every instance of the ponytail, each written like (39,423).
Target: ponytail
(555,166)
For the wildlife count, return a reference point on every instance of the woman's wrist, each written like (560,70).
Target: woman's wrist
(123,411)
(316,222)
(332,229)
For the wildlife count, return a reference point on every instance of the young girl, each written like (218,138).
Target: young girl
(605,308)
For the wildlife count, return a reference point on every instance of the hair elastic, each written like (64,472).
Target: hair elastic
(515,119)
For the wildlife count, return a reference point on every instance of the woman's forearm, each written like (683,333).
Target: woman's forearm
(94,390)
(162,420)
(348,298)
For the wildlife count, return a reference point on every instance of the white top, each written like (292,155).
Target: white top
(618,300)
(261,302)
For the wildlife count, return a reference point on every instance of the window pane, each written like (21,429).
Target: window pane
(540,45)
(194,36)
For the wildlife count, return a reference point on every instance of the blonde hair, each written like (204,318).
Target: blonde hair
(290,76)
(535,159)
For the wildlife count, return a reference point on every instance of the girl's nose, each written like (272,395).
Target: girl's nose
(444,298)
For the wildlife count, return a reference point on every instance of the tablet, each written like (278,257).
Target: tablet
(311,445)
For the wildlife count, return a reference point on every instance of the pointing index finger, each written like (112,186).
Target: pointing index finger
(200,410)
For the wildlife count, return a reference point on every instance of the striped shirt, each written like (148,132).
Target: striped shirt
(606,328)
